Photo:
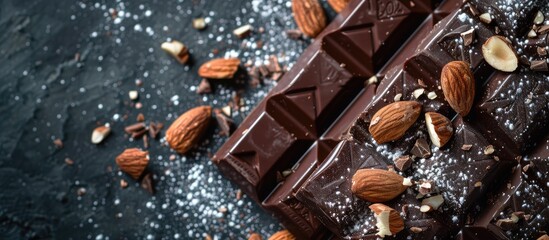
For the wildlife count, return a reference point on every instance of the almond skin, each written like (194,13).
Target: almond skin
(133,161)
(255,236)
(439,128)
(458,86)
(309,16)
(377,185)
(186,130)
(338,5)
(391,122)
(219,68)
(396,224)
(282,235)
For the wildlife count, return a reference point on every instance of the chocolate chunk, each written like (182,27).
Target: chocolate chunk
(514,110)
(225,123)
(539,65)
(421,148)
(204,87)
(403,163)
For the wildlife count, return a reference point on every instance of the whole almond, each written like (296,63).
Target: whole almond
(282,235)
(186,130)
(219,68)
(439,128)
(458,86)
(391,122)
(133,161)
(377,185)
(388,219)
(309,16)
(338,5)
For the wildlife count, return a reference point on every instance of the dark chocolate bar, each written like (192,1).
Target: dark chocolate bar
(288,123)
(282,157)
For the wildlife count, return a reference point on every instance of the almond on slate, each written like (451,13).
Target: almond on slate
(439,128)
(458,86)
(388,220)
(377,185)
(309,16)
(338,5)
(497,52)
(391,122)
(186,130)
(177,49)
(282,235)
(219,68)
(99,134)
(133,161)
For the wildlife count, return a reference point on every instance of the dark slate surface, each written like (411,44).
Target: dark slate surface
(46,94)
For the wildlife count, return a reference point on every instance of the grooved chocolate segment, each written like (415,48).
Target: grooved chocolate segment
(283,204)
(246,163)
(524,194)
(463,176)
(515,109)
(365,46)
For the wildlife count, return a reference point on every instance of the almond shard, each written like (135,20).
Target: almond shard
(391,122)
(177,49)
(497,52)
(388,220)
(439,128)
(377,185)
(458,86)
(99,134)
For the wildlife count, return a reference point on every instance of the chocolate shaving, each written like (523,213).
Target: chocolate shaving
(204,87)
(542,51)
(421,148)
(543,29)
(466,147)
(294,34)
(134,128)
(145,141)
(264,71)
(539,65)
(147,183)
(138,134)
(140,117)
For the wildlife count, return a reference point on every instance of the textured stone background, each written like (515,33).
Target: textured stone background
(46,94)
